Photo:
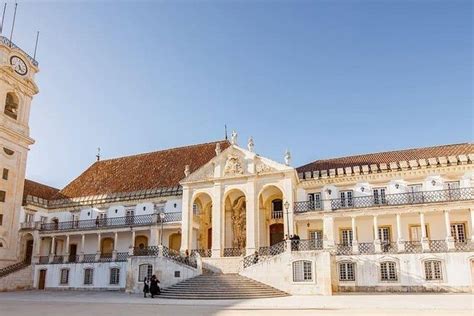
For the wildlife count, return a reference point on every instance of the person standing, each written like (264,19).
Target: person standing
(154,288)
(146,287)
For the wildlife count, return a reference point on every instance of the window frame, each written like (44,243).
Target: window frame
(114,279)
(350,236)
(456,231)
(300,271)
(386,265)
(432,270)
(3,196)
(346,271)
(316,202)
(149,272)
(61,276)
(91,276)
(5,173)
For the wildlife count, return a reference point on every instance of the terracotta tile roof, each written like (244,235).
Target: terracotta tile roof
(38,190)
(389,156)
(160,169)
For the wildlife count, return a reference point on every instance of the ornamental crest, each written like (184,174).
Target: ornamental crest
(233,166)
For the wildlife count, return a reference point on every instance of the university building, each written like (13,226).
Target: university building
(219,212)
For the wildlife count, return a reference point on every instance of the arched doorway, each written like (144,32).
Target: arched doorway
(27,248)
(235,228)
(107,246)
(271,214)
(202,212)
(175,241)
(141,242)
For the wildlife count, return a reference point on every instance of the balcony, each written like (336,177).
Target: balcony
(86,258)
(277,214)
(411,198)
(111,222)
(30,225)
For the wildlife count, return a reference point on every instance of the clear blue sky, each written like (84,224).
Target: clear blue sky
(323,78)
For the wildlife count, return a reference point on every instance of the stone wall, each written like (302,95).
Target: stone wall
(222,265)
(19,280)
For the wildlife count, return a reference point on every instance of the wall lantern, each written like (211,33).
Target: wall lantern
(329,191)
(362,189)
(433,182)
(397,186)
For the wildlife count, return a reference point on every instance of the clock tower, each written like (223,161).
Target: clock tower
(17,88)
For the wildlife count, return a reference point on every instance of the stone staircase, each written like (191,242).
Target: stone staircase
(18,276)
(220,286)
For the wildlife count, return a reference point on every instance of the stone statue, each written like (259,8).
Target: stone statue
(239,224)
(187,171)
(287,157)
(233,138)
(250,144)
(233,165)
(218,149)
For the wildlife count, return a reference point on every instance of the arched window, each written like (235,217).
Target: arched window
(145,271)
(11,105)
(302,271)
(347,271)
(433,270)
(388,271)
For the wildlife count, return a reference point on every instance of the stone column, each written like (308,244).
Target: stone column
(97,255)
(186,220)
(400,240)
(355,243)
(328,232)
(377,243)
(425,245)
(66,253)
(37,247)
(83,242)
(155,236)
(251,221)
(51,252)
(449,237)
(114,252)
(217,214)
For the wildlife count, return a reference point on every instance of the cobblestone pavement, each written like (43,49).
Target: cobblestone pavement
(90,303)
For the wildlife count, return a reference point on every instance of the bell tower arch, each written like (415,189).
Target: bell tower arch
(17,88)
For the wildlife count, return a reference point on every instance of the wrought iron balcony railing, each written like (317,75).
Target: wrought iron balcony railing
(409,198)
(86,258)
(306,245)
(111,222)
(233,252)
(264,253)
(202,252)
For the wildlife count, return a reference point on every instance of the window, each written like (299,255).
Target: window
(388,271)
(5,174)
(1,219)
(415,232)
(433,270)
(11,106)
(114,276)
(145,271)
(451,185)
(302,271)
(458,231)
(277,209)
(379,196)
(64,279)
(316,235)
(346,271)
(88,276)
(416,195)
(315,200)
(384,234)
(129,217)
(346,237)
(2,196)
(29,218)
(195,209)
(7,151)
(346,199)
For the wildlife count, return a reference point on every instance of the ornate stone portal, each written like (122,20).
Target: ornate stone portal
(239,223)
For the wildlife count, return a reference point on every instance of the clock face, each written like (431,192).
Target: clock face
(18,65)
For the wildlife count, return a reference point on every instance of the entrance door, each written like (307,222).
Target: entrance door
(28,251)
(72,252)
(42,279)
(276,233)
(209,238)
(175,241)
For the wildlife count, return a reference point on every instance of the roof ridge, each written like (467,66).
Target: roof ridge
(163,150)
(385,152)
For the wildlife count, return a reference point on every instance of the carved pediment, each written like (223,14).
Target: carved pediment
(233,165)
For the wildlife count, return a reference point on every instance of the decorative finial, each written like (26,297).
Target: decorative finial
(233,138)
(98,154)
(250,144)
(287,157)
(218,149)
(187,171)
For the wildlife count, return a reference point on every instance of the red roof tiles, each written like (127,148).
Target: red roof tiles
(39,190)
(160,169)
(389,156)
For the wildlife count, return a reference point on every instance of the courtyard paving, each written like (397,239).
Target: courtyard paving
(91,303)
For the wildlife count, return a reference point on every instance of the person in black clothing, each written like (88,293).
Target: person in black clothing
(146,287)
(255,257)
(154,288)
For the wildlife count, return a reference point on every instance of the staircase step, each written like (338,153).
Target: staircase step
(220,286)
